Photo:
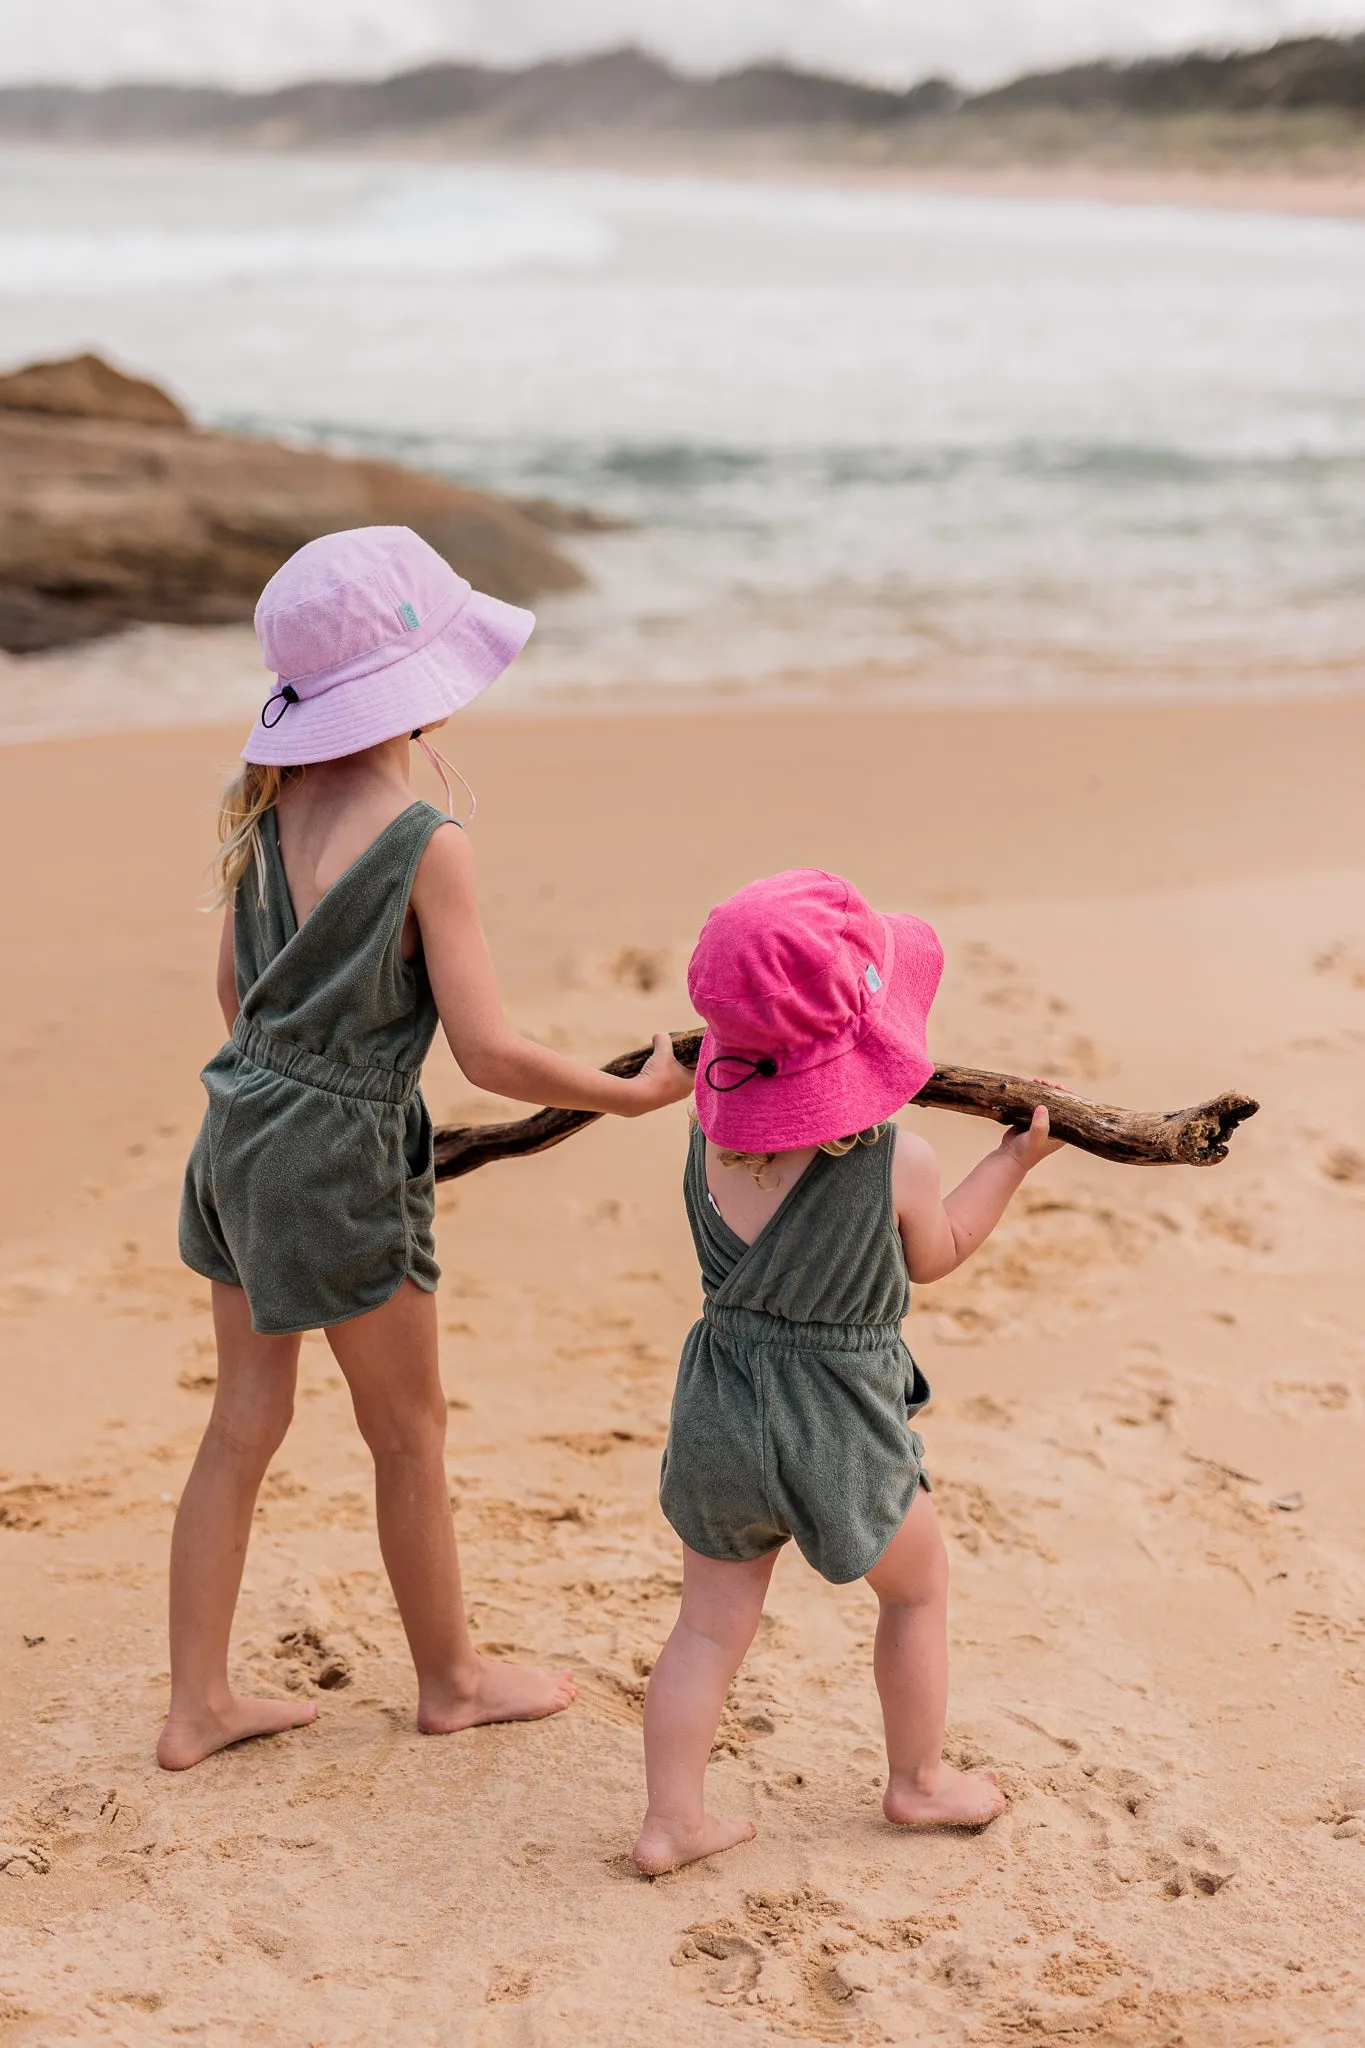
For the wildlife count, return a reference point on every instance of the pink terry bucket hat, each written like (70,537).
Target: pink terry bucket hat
(815,1008)
(370,634)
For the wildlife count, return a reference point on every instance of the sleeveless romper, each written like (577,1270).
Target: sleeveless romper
(794,1393)
(310,1184)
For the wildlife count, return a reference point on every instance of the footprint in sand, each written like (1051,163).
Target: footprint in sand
(640,968)
(965,1967)
(984,1408)
(1238,1225)
(513,1522)
(1085,1969)
(609,1697)
(310,1661)
(1342,1807)
(1344,1165)
(1143,1397)
(764,1959)
(614,1597)
(805,1955)
(1306,1398)
(83,1823)
(40,1504)
(973,1517)
(1344,961)
(508,1982)
(1194,1866)
(1131,1791)
(599,1443)
(960,1323)
(740,1960)
(1314,1627)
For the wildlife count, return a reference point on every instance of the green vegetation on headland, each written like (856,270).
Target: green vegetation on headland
(1300,103)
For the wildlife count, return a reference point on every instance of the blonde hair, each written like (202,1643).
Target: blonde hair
(757,1163)
(252,792)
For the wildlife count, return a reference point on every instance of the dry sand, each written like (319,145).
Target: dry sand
(1146,1434)
(1244,188)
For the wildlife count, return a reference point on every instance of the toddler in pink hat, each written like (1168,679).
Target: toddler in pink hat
(811,1213)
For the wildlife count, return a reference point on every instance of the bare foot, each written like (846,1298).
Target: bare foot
(499,1692)
(663,1845)
(187,1739)
(958,1799)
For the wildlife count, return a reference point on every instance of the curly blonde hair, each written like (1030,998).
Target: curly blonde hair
(757,1163)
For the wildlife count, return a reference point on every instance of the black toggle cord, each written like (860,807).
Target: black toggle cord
(764,1069)
(284,697)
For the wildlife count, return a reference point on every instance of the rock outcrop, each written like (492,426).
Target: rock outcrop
(114,508)
(88,388)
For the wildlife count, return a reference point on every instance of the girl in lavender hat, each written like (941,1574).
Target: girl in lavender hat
(811,1213)
(352,929)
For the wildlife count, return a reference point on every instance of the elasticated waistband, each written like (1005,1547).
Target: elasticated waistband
(371,1084)
(757,1327)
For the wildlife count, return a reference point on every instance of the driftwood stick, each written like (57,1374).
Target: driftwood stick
(1136,1137)
(1133,1137)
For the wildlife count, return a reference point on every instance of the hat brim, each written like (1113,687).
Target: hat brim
(430,683)
(881,1073)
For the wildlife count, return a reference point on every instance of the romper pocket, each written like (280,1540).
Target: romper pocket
(419,1141)
(916,1388)
(219,1078)
(419,1194)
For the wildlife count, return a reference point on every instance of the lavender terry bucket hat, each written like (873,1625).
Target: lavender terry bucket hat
(370,634)
(815,1006)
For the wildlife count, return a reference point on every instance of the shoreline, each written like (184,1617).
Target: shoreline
(1337,192)
(162,671)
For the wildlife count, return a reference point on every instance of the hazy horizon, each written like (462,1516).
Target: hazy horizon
(269,42)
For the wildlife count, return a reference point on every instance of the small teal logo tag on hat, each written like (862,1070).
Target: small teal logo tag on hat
(872,978)
(409,617)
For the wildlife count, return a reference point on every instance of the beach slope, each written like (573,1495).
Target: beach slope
(1145,1437)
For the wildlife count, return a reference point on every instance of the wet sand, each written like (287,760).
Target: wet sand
(1148,1417)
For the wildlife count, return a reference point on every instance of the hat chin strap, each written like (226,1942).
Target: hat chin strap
(764,1069)
(445,769)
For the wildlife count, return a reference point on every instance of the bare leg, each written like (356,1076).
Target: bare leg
(390,1361)
(251,1412)
(911,1663)
(721,1605)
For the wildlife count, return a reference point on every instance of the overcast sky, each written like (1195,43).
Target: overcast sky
(264,41)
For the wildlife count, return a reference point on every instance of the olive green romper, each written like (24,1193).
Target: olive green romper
(794,1394)
(310,1184)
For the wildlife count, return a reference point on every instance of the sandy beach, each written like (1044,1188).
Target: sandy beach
(1328,183)
(1149,1394)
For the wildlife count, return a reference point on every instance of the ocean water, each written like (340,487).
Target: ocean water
(870,440)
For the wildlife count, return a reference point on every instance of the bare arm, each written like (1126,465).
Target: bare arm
(226,979)
(490,1053)
(939,1232)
